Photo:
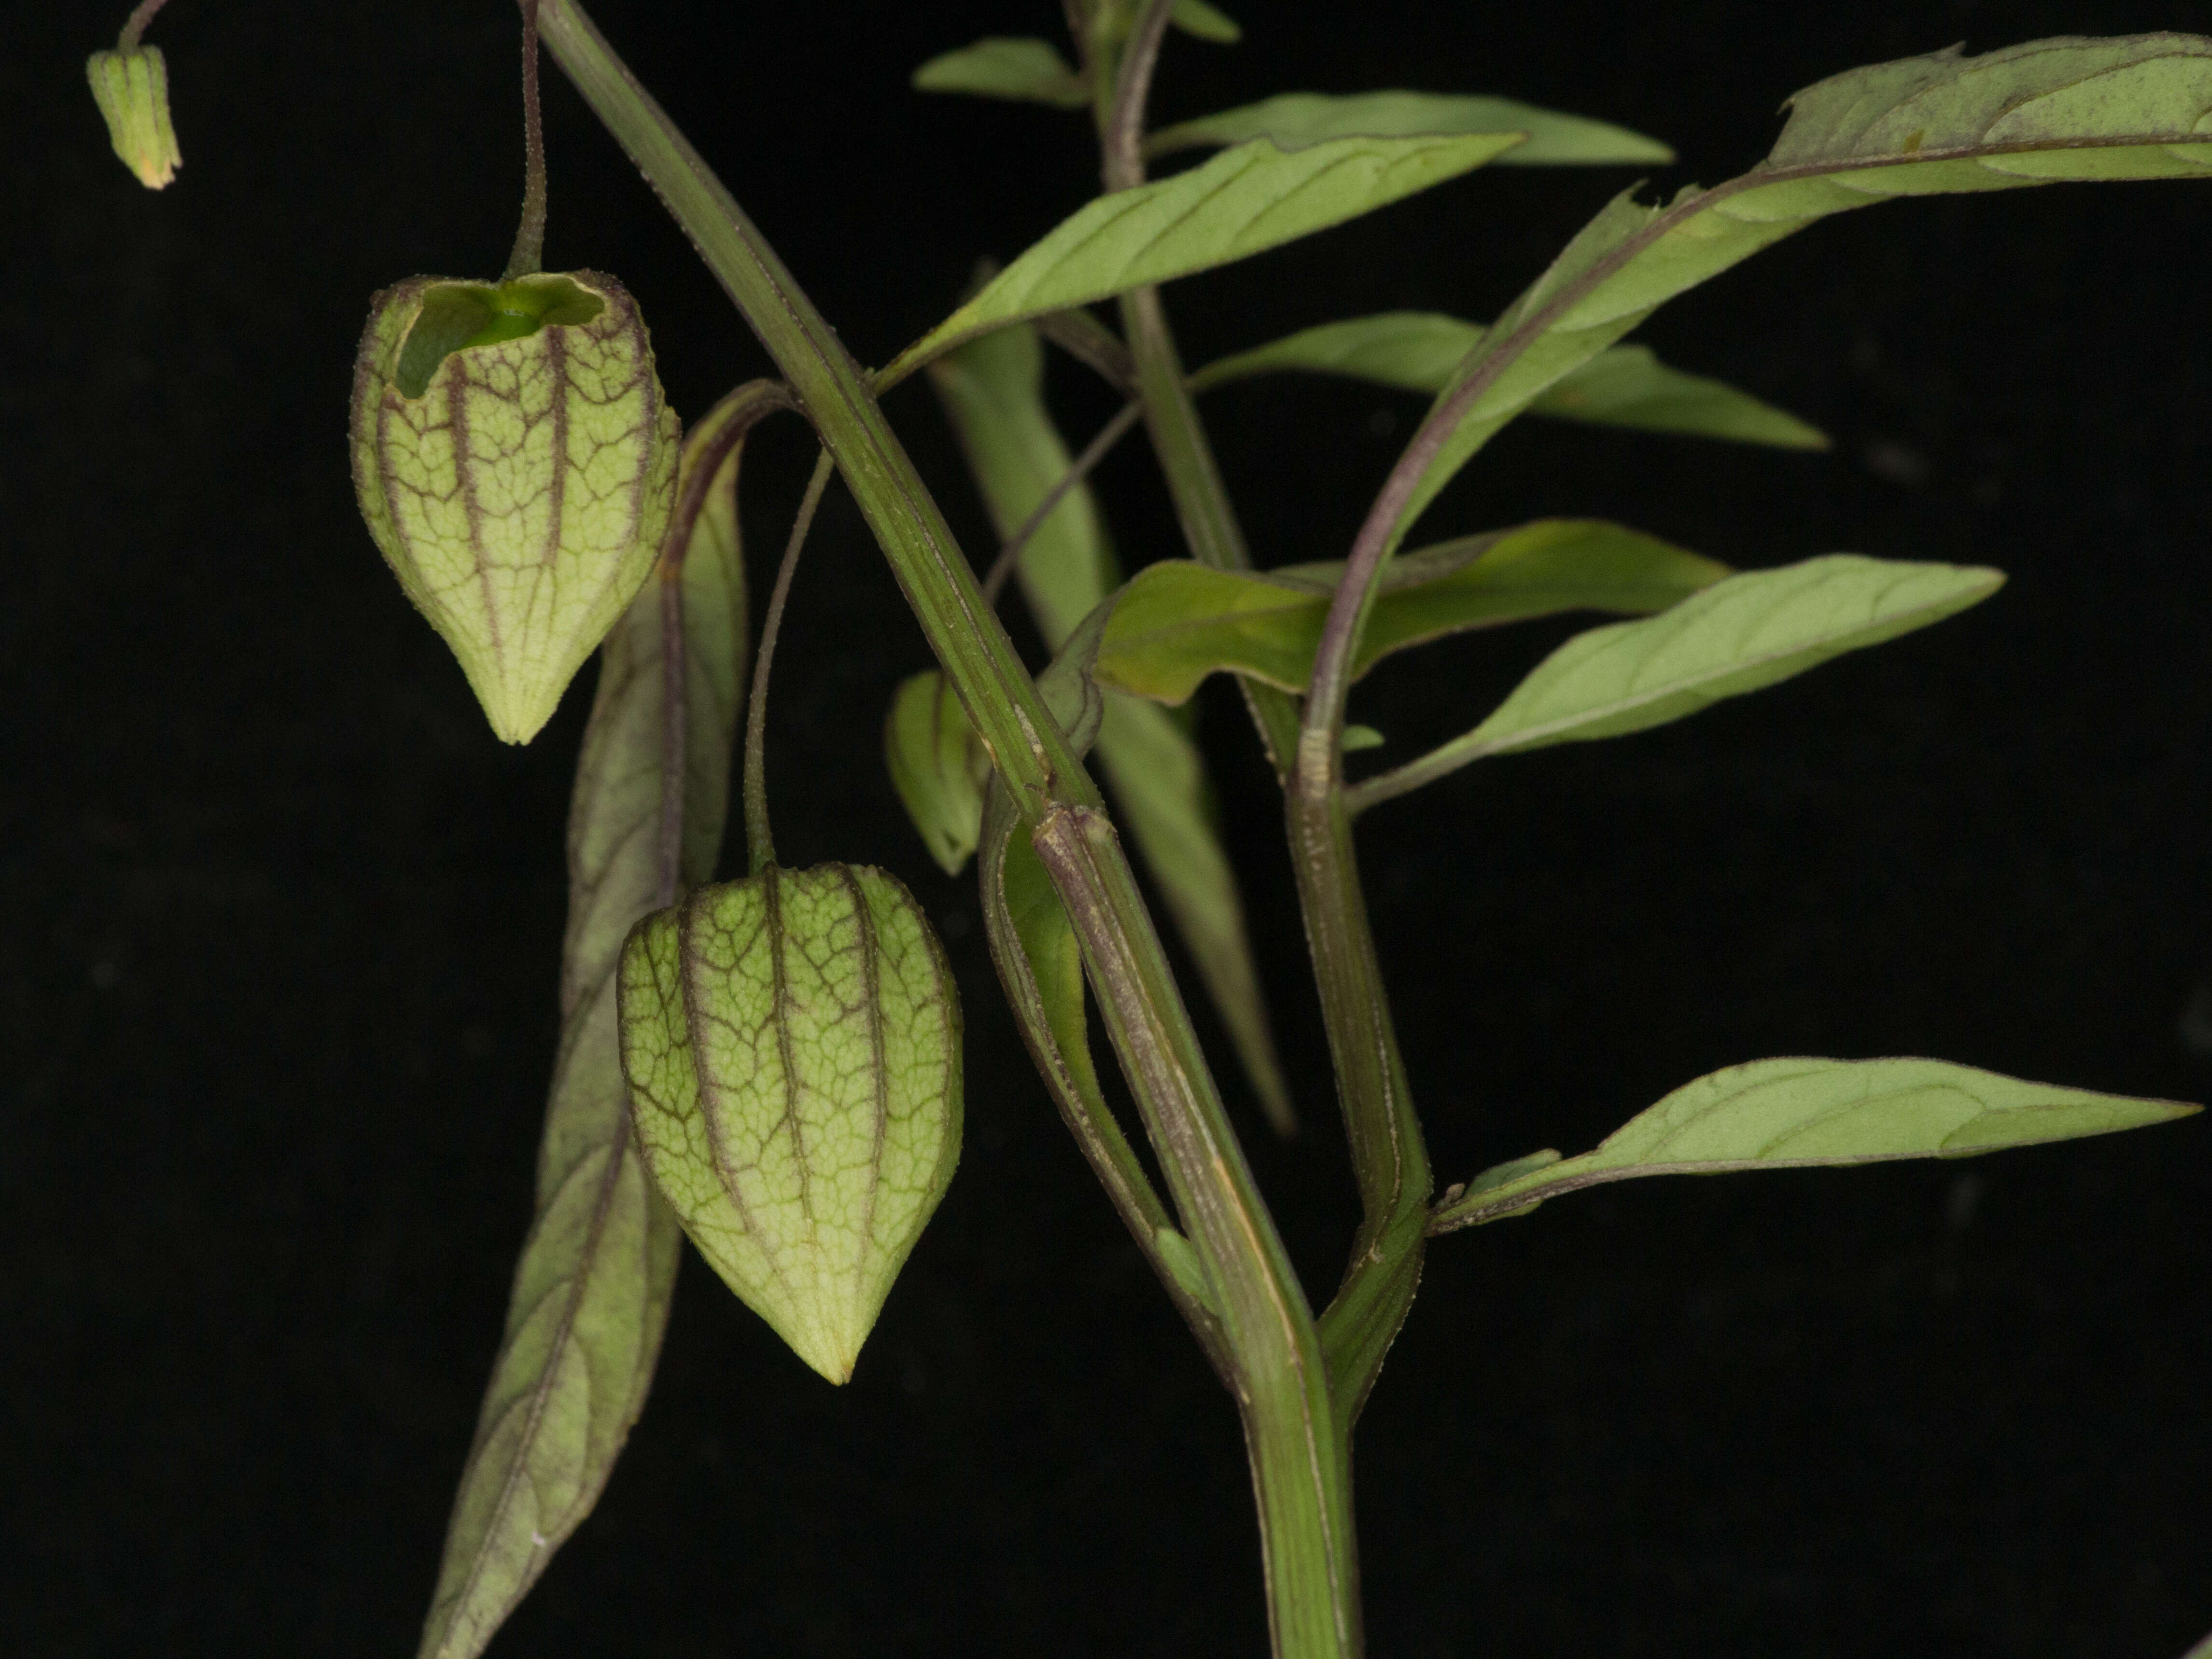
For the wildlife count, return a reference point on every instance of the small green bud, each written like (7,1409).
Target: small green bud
(132,90)
(938,766)
(515,460)
(792,1047)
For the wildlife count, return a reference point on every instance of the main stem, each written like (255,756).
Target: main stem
(1273,1342)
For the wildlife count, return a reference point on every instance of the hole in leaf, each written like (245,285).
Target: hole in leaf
(457,315)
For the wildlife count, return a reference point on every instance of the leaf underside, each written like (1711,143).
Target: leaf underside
(1796,1113)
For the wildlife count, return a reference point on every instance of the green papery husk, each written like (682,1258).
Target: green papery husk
(519,487)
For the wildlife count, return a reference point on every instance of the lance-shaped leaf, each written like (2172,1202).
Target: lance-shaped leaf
(1747,632)
(590,1292)
(792,1047)
(1203,21)
(937,766)
(1295,119)
(516,463)
(1784,1114)
(1002,66)
(1624,385)
(1179,621)
(1243,202)
(2135,107)
(993,390)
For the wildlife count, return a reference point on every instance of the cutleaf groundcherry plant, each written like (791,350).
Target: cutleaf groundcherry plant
(772,1064)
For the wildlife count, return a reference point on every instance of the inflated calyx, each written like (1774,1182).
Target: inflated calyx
(792,1047)
(515,460)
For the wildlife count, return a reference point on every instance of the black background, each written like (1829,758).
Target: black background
(281,918)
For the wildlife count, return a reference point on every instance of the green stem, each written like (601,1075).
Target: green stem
(1301,1467)
(528,258)
(1298,1452)
(134,27)
(1201,500)
(1390,1160)
(760,844)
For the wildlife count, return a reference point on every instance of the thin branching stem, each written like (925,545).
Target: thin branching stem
(134,27)
(1123,137)
(529,256)
(995,583)
(760,844)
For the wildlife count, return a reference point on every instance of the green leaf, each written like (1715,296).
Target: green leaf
(1003,66)
(1196,17)
(1749,631)
(793,1046)
(1294,119)
(1243,202)
(938,766)
(1406,350)
(1786,1113)
(592,1291)
(2131,108)
(992,388)
(1179,621)
(1625,386)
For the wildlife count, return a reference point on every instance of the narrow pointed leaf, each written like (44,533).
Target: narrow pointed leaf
(1001,66)
(1784,1114)
(2134,106)
(993,390)
(1628,385)
(1244,201)
(1206,23)
(1624,385)
(1179,621)
(1406,350)
(591,1290)
(1294,119)
(1747,632)
(793,1046)
(938,766)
